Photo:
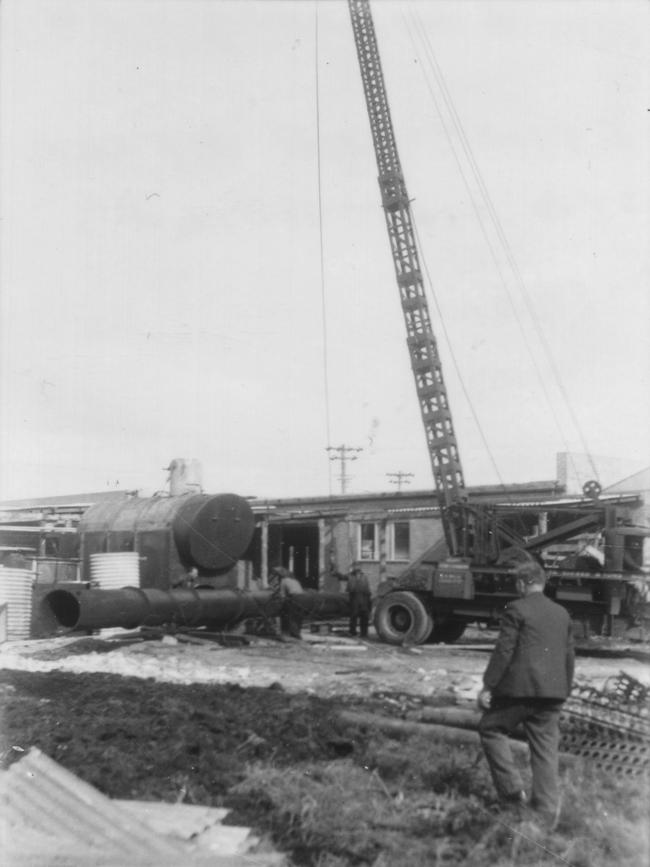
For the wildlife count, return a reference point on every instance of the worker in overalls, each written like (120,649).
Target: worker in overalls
(360,602)
(287,587)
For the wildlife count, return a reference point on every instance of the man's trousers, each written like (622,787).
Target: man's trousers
(540,718)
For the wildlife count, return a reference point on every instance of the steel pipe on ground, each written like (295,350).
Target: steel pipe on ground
(79,607)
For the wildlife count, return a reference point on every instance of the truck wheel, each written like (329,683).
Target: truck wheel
(402,617)
(446,632)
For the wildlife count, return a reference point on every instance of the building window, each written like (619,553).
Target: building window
(398,541)
(401,541)
(368,547)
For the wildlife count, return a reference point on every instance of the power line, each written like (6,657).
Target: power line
(487,200)
(326,387)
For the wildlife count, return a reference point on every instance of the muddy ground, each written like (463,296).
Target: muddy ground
(258,729)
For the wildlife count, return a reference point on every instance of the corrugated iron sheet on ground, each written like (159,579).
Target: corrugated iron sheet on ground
(51,818)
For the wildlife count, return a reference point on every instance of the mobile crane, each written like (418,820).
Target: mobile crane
(472,580)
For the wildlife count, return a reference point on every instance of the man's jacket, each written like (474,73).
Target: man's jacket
(533,656)
(359,594)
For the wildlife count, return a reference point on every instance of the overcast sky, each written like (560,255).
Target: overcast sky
(162,289)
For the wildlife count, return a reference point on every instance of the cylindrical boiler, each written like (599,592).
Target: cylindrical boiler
(172,535)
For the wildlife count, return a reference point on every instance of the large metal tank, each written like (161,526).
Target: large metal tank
(172,535)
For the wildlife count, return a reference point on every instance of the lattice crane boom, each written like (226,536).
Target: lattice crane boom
(421,341)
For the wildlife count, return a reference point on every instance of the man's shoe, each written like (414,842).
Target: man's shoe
(514,803)
(546,818)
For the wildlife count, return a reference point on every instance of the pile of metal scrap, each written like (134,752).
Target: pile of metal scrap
(611,727)
(50,816)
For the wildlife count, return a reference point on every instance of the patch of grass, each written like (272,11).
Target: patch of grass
(329,795)
(423,763)
(339,810)
(605,819)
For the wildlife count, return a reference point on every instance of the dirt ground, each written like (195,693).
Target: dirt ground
(257,728)
(324,665)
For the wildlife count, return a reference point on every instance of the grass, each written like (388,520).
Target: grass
(328,795)
(415,803)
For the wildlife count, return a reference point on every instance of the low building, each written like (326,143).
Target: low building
(319,538)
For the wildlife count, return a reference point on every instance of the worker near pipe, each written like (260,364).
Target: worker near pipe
(360,601)
(287,587)
(527,679)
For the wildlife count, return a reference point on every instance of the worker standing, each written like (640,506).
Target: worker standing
(360,602)
(528,677)
(291,614)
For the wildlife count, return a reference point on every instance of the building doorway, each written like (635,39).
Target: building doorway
(296,547)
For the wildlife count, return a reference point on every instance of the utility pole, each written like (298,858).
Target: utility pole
(398,478)
(343,454)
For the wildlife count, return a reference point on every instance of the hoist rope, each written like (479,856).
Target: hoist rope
(508,496)
(485,196)
(452,354)
(325,359)
(481,224)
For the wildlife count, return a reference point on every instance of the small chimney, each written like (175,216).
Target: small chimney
(185,477)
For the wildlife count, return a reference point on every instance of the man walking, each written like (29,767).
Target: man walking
(528,677)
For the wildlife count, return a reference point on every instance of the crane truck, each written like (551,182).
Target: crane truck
(469,578)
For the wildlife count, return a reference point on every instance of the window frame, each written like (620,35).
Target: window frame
(391,553)
(391,542)
(375,542)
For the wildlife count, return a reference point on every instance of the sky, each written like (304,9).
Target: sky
(195,264)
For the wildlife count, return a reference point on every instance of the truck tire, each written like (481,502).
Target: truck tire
(446,632)
(402,617)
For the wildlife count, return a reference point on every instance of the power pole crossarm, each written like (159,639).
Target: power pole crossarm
(343,454)
(399,478)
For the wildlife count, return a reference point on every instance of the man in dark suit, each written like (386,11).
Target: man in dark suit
(528,677)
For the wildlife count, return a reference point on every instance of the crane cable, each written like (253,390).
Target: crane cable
(325,359)
(440,80)
(472,199)
(508,496)
(453,356)
(460,132)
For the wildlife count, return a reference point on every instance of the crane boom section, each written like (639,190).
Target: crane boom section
(422,345)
